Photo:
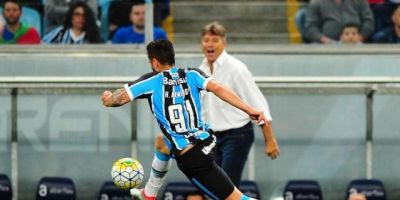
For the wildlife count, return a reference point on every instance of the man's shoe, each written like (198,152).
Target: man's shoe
(140,195)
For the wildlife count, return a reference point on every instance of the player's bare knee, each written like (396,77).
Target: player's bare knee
(160,146)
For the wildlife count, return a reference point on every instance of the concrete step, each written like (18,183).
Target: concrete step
(228,10)
(237,38)
(251,22)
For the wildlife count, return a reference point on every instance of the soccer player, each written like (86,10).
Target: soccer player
(174,98)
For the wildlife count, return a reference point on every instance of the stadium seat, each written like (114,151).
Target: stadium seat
(250,189)
(60,188)
(5,188)
(302,189)
(110,191)
(31,17)
(373,189)
(104,24)
(177,190)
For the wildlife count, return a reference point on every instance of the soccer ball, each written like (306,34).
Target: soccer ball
(127,173)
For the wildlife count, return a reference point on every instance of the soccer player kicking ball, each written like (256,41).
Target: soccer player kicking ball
(174,98)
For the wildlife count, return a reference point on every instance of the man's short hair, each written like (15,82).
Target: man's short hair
(13,1)
(214,28)
(162,50)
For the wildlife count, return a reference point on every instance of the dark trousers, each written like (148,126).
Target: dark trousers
(233,147)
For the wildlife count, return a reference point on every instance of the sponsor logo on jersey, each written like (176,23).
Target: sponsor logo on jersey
(167,81)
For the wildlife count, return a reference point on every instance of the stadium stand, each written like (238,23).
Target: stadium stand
(5,188)
(60,188)
(250,189)
(373,189)
(110,191)
(302,189)
(177,190)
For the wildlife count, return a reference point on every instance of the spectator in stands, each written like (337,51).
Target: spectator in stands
(195,195)
(325,19)
(135,32)
(357,196)
(14,32)
(382,10)
(391,34)
(55,12)
(79,27)
(350,34)
(119,13)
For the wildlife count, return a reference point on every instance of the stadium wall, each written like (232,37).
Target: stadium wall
(322,132)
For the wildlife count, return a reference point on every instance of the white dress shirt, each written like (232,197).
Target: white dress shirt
(234,74)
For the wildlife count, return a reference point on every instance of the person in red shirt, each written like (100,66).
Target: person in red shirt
(15,32)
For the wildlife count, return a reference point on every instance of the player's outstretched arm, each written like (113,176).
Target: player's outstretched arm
(227,95)
(114,99)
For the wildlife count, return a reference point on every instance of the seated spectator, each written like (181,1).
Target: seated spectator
(350,34)
(15,32)
(382,11)
(357,196)
(135,32)
(391,34)
(325,18)
(79,27)
(195,195)
(54,11)
(119,13)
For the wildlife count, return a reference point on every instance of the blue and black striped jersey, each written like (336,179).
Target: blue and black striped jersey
(174,99)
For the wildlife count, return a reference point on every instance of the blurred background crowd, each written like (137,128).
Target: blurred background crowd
(261,22)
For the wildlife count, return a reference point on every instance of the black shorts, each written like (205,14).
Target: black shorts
(199,166)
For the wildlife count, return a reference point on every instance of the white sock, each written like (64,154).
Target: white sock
(159,169)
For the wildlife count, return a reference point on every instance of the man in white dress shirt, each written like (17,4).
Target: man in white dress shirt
(232,127)
(234,130)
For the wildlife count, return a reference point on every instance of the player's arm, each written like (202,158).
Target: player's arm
(114,99)
(227,95)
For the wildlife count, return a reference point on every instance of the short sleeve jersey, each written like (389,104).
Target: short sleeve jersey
(174,99)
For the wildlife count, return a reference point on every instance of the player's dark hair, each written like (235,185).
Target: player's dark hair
(162,50)
(13,1)
(214,28)
(350,25)
(91,30)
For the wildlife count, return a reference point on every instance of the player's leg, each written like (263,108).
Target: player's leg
(159,168)
(233,147)
(199,166)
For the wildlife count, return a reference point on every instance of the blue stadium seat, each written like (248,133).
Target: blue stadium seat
(110,191)
(373,189)
(31,17)
(60,188)
(5,188)
(177,190)
(302,189)
(250,189)
(104,24)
